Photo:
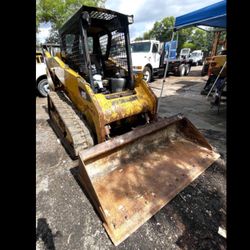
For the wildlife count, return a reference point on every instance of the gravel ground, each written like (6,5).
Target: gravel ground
(67,220)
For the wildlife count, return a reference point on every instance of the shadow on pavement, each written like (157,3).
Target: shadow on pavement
(44,232)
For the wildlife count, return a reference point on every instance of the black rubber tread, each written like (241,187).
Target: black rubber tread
(73,124)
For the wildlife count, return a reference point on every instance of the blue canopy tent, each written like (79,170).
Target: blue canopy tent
(213,15)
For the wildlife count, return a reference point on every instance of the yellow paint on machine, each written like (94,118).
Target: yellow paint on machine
(96,107)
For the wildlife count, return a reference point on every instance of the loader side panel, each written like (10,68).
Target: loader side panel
(73,84)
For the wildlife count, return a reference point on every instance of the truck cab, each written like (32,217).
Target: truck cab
(146,55)
(149,57)
(184,53)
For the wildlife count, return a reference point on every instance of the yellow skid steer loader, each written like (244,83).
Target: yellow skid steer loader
(131,161)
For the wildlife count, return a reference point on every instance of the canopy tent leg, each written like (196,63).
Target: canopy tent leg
(165,73)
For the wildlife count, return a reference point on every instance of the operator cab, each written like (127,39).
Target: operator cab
(96,44)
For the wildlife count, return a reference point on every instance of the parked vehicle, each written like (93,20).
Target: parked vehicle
(197,57)
(42,81)
(185,53)
(42,84)
(149,57)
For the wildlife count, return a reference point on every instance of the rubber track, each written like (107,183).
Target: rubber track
(70,116)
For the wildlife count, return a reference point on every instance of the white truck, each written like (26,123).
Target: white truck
(149,57)
(185,53)
(42,84)
(197,57)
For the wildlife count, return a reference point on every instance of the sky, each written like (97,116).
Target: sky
(145,12)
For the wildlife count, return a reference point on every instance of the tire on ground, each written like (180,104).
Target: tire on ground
(181,70)
(147,72)
(42,87)
(187,69)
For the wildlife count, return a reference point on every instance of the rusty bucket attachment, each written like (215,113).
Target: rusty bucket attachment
(131,177)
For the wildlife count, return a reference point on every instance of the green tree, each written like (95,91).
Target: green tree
(210,37)
(191,37)
(188,45)
(139,38)
(199,39)
(184,35)
(162,31)
(147,35)
(58,11)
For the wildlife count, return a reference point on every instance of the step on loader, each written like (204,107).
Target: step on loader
(131,161)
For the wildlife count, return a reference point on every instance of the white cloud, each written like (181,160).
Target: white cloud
(146,12)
